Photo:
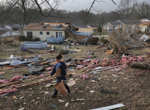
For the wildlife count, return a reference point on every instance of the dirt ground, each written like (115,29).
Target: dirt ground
(129,86)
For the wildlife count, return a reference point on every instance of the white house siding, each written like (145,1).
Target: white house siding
(44,36)
(108,27)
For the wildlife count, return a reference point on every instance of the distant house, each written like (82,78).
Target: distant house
(125,25)
(145,21)
(110,26)
(55,30)
(145,25)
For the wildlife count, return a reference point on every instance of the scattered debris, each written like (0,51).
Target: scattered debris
(92,91)
(66,105)
(21,108)
(110,107)
(62,101)
(71,83)
(49,85)
(53,106)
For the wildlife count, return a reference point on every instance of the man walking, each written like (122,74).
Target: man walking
(60,70)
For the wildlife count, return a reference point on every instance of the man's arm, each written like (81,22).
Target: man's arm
(53,72)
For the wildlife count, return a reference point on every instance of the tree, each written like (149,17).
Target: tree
(22,6)
(99,29)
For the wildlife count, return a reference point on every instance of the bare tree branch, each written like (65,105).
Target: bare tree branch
(113,2)
(12,5)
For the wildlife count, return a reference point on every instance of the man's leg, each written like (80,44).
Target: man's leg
(55,91)
(67,87)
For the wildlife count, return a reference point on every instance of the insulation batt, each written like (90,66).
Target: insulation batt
(3,81)
(16,78)
(8,91)
(49,68)
(84,76)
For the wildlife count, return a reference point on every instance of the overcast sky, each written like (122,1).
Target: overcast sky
(77,5)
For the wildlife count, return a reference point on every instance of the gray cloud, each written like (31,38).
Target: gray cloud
(78,5)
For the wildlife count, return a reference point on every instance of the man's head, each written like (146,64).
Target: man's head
(58,58)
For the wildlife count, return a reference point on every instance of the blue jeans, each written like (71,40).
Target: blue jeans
(65,84)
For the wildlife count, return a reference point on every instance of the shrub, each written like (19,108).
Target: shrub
(99,29)
(104,40)
(29,38)
(37,39)
(93,40)
(62,52)
(22,38)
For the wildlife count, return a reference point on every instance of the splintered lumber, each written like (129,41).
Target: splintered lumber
(26,85)
(11,83)
(145,66)
(108,52)
(52,78)
(7,68)
(44,63)
(110,107)
(18,82)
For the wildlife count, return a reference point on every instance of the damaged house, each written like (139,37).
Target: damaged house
(145,25)
(54,32)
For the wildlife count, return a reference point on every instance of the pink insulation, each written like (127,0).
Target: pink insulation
(16,78)
(13,86)
(84,76)
(49,68)
(8,91)
(3,81)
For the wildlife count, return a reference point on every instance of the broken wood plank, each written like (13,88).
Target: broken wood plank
(52,78)
(108,52)
(35,83)
(44,63)
(7,68)
(9,84)
(110,107)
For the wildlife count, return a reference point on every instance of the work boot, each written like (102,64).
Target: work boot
(68,91)
(53,96)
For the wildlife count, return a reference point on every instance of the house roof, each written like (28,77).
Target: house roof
(114,23)
(2,32)
(145,19)
(43,26)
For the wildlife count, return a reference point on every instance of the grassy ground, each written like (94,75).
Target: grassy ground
(129,86)
(102,33)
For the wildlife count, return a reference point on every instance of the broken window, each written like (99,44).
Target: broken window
(58,34)
(29,33)
(41,33)
(48,33)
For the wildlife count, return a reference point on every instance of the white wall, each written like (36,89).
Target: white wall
(107,27)
(44,36)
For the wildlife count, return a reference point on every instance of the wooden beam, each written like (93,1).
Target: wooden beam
(9,84)
(19,87)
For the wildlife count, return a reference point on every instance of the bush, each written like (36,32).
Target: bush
(29,38)
(104,40)
(22,38)
(62,52)
(93,40)
(37,39)
(99,29)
